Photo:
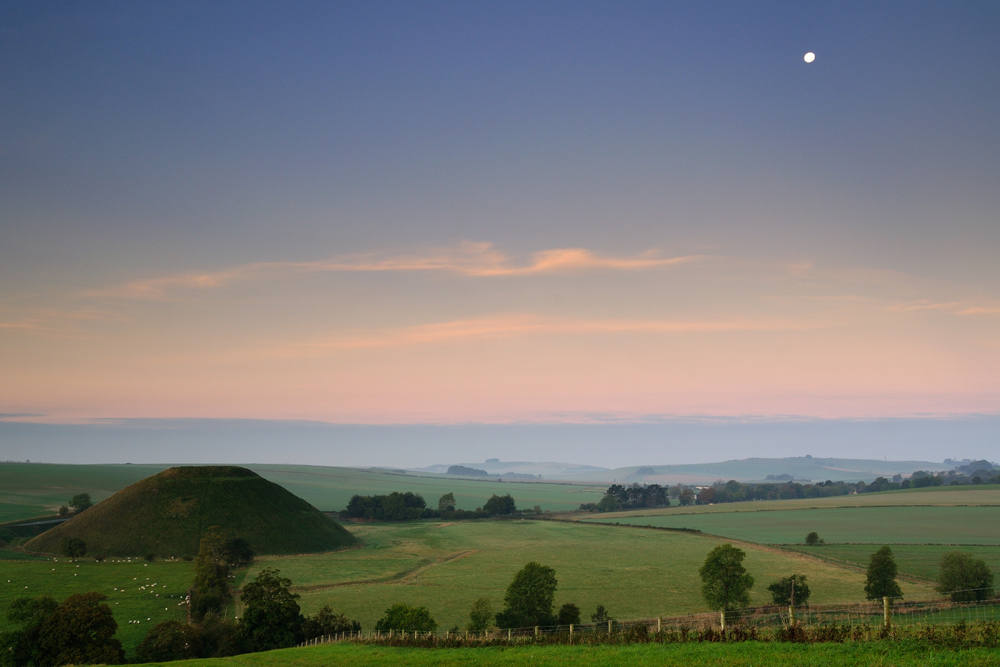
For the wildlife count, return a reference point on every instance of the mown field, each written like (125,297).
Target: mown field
(749,654)
(446,566)
(29,490)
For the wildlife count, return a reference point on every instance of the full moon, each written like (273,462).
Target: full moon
(809,57)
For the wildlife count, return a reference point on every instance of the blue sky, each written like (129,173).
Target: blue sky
(454,213)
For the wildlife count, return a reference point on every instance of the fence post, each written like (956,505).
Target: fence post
(722,619)
(536,630)
(508,634)
(885,611)
(791,615)
(659,624)
(570,629)
(609,626)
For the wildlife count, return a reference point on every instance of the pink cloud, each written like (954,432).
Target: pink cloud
(468,259)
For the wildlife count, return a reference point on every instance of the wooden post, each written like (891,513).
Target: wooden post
(508,634)
(570,629)
(609,626)
(722,619)
(536,630)
(885,611)
(659,624)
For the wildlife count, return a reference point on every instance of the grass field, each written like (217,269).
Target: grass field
(869,525)
(145,590)
(914,560)
(29,490)
(895,654)
(635,573)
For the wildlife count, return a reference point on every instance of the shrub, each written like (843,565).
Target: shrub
(402,617)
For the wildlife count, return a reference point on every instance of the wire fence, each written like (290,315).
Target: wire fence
(835,622)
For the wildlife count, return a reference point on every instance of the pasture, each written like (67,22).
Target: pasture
(898,654)
(850,525)
(634,573)
(914,560)
(140,594)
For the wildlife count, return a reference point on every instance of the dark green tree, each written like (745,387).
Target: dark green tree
(529,598)
(880,580)
(236,552)
(81,630)
(812,539)
(500,505)
(782,590)
(401,617)
(325,622)
(23,646)
(210,590)
(271,616)
(600,615)
(73,548)
(965,578)
(80,502)
(725,583)
(569,614)
(446,503)
(480,616)
(168,641)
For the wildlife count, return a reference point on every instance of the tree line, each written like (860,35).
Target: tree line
(407,506)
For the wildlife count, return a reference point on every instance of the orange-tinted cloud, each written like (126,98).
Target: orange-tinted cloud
(468,259)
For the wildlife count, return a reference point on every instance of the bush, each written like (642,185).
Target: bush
(168,641)
(812,539)
(569,614)
(325,622)
(401,617)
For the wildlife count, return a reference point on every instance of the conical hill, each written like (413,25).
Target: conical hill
(168,514)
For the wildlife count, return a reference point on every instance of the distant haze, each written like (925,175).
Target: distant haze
(612,445)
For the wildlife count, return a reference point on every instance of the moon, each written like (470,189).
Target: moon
(809,57)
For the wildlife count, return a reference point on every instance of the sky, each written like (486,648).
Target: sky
(500,213)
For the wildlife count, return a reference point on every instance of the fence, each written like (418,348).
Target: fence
(911,614)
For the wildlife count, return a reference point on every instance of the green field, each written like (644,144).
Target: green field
(634,573)
(748,654)
(921,560)
(853,525)
(145,590)
(29,490)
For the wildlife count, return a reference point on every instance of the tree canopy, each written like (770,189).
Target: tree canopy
(481,616)
(964,577)
(529,598)
(271,616)
(500,505)
(401,617)
(880,580)
(782,590)
(81,630)
(725,582)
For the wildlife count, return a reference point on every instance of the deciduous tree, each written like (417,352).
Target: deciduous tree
(880,580)
(529,598)
(401,617)
(271,616)
(481,616)
(785,588)
(725,582)
(964,577)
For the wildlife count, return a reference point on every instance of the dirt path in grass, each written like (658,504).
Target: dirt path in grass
(401,577)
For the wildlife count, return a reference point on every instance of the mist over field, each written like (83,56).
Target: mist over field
(610,445)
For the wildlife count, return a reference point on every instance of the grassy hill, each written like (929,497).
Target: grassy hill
(167,515)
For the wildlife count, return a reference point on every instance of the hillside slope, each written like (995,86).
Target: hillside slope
(167,515)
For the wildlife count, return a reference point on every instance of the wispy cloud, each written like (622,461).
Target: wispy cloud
(54,322)
(514,325)
(955,307)
(468,259)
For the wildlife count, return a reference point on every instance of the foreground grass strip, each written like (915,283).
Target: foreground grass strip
(901,654)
